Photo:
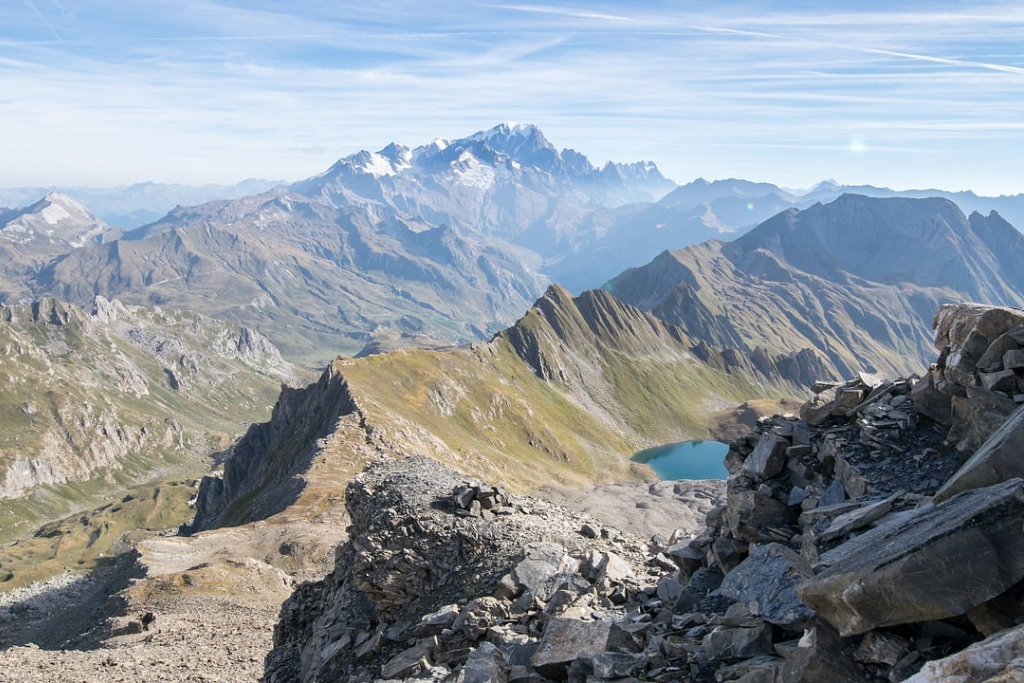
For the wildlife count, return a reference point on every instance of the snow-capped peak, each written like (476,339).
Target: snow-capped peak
(56,207)
(376,164)
(432,148)
(506,130)
(56,218)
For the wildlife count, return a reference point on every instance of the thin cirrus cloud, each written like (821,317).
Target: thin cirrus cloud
(107,92)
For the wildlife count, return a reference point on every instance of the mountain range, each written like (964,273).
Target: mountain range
(857,280)
(440,244)
(131,206)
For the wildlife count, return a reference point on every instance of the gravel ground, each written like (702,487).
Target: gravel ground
(644,509)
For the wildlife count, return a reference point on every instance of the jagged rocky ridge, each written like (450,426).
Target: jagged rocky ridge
(565,394)
(852,544)
(857,280)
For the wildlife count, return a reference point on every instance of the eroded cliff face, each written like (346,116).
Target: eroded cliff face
(121,388)
(839,552)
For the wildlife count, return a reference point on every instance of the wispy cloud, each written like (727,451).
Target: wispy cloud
(216,90)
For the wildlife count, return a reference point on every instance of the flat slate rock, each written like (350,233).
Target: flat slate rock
(1000,458)
(937,563)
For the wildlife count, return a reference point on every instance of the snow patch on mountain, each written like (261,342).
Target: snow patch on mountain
(469,171)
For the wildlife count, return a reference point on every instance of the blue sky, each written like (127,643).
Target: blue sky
(101,92)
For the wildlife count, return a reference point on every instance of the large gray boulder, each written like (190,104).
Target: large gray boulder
(566,639)
(939,562)
(766,583)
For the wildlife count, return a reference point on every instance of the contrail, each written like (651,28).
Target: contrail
(32,6)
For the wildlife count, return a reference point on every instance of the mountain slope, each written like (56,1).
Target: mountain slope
(565,395)
(857,280)
(313,277)
(100,401)
(434,245)
(33,236)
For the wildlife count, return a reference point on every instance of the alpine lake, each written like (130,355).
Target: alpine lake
(686,460)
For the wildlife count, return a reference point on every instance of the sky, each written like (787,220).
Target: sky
(903,95)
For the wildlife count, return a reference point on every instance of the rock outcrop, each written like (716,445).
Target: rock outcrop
(431,577)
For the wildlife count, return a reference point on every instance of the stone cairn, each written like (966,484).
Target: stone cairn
(865,539)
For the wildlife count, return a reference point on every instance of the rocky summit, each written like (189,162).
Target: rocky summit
(853,543)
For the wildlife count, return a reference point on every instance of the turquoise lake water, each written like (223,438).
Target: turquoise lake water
(686,460)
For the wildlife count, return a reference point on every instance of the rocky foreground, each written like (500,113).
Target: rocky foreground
(854,543)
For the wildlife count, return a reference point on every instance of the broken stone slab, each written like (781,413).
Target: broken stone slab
(486,664)
(435,622)
(876,394)
(766,583)
(542,571)
(616,665)
(819,657)
(751,514)
(566,639)
(981,414)
(998,658)
(613,569)
(853,483)
(849,522)
(833,495)
(936,563)
(819,408)
(1013,359)
(993,356)
(847,400)
(768,457)
(931,401)
(879,647)
(411,661)
(1000,458)
(809,517)
(1005,381)
(797,495)
(760,669)
(818,386)
(725,643)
